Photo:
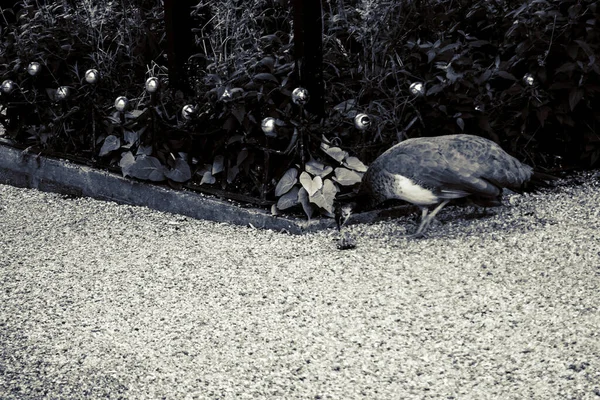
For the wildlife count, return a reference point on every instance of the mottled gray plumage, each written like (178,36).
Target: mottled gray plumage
(434,170)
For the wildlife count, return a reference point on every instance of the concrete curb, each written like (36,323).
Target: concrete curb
(23,169)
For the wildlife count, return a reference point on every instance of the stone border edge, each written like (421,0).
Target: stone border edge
(25,169)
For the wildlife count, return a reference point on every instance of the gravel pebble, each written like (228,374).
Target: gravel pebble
(100,300)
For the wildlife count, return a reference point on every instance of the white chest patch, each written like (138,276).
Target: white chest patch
(407,190)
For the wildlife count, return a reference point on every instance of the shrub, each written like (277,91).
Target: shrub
(524,74)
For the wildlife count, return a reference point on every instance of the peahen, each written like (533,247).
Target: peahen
(431,171)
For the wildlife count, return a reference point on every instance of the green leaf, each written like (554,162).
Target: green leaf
(268,62)
(127,161)
(180,172)
(287,181)
(484,123)
(478,43)
(575,97)
(431,55)
(305,201)
(51,93)
(325,143)
(586,47)
(325,196)
(355,164)
(506,75)
(461,123)
(111,143)
(566,67)
(239,112)
(484,77)
(264,77)
(272,38)
(208,177)
(148,168)
(336,153)
(347,108)
(572,50)
(434,89)
(289,199)
(147,150)
(451,46)
(218,164)
(542,114)
(241,157)
(232,173)
(132,137)
(346,177)
(136,113)
(274,210)
(317,168)
(311,185)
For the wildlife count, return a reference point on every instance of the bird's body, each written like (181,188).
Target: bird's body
(427,171)
(431,171)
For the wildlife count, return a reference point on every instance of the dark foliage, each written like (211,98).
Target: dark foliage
(525,75)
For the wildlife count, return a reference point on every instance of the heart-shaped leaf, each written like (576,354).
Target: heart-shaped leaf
(310,184)
(305,201)
(346,177)
(287,181)
(355,164)
(325,196)
(289,199)
(207,177)
(127,161)
(239,112)
(111,143)
(336,153)
(180,172)
(317,168)
(148,168)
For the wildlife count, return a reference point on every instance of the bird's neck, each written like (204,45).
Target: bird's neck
(364,201)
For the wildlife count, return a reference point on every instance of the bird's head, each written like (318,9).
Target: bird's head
(354,203)
(343,211)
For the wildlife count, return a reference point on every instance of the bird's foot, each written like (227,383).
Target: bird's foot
(414,235)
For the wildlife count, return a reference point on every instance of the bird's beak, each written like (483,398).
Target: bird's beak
(342,214)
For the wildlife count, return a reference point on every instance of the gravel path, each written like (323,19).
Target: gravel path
(102,301)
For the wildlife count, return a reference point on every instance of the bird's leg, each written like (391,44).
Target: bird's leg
(342,213)
(426,219)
